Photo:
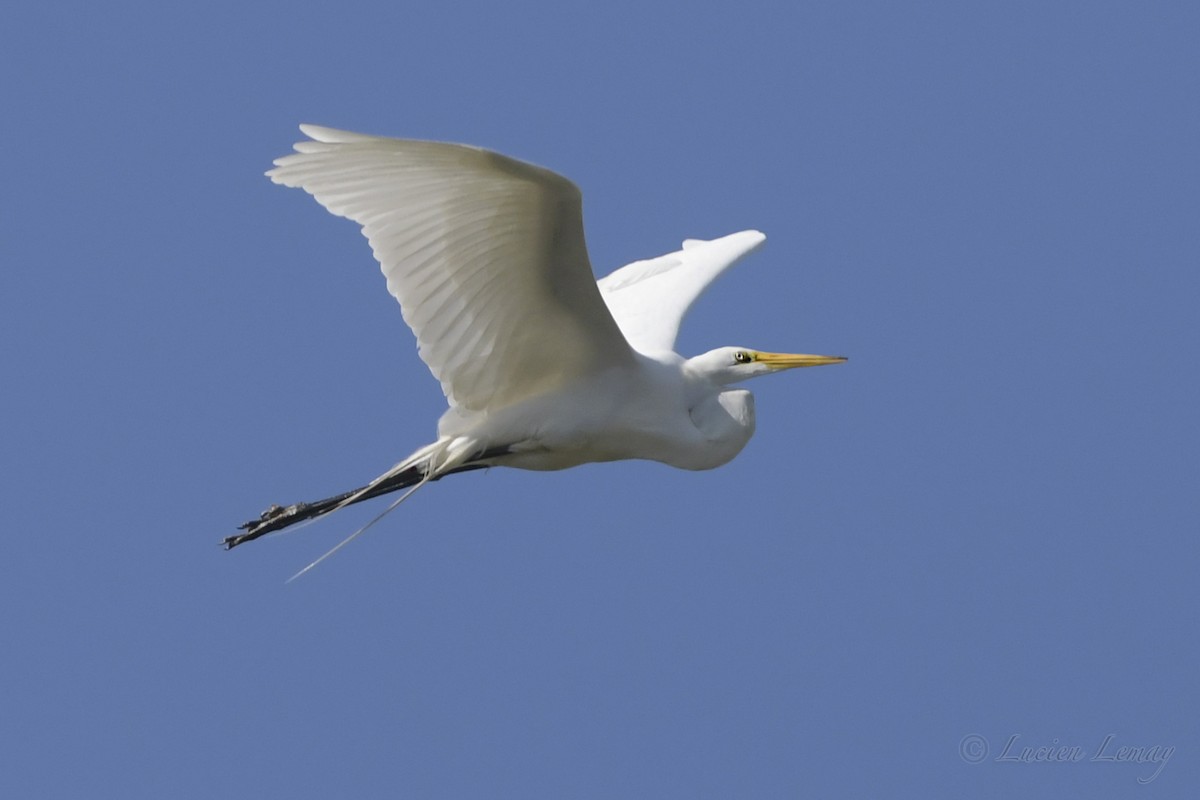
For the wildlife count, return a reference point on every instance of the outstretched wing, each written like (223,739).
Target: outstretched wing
(485,254)
(649,298)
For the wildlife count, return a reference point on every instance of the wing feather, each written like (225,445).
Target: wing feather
(650,298)
(485,254)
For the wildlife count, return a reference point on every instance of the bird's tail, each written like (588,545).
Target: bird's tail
(431,462)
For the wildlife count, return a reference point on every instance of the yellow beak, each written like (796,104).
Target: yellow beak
(792,360)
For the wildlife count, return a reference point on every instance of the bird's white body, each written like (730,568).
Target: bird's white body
(657,410)
(543,367)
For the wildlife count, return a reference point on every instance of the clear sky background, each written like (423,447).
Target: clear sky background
(984,525)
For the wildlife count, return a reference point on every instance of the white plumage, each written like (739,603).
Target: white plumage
(543,367)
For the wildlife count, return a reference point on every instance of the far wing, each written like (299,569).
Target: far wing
(485,254)
(650,298)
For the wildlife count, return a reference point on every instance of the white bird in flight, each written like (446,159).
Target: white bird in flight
(543,366)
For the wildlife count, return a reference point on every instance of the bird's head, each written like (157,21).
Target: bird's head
(727,365)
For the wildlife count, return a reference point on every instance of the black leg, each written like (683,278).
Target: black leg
(276,518)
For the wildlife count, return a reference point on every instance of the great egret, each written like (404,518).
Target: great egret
(543,367)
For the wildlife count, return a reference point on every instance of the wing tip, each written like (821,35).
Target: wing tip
(748,239)
(320,133)
(319,137)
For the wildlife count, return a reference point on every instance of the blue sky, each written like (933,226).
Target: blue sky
(983,525)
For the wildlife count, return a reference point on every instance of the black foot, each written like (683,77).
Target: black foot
(277,518)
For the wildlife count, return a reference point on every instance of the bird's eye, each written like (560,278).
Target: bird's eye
(742,357)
